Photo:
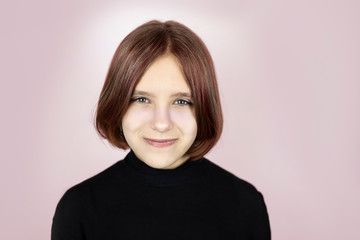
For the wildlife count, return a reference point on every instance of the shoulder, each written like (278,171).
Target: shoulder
(104,176)
(80,193)
(223,176)
(242,192)
(76,203)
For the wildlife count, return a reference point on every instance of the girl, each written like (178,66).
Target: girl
(161,100)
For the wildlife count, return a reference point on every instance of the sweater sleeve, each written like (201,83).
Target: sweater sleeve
(66,223)
(260,219)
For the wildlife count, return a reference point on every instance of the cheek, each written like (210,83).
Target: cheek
(135,118)
(186,121)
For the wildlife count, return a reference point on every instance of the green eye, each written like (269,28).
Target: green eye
(182,102)
(140,100)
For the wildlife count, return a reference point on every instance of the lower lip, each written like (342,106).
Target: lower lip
(160,144)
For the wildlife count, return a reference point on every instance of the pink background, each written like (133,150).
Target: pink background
(289,77)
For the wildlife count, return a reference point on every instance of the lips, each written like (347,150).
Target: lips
(160,143)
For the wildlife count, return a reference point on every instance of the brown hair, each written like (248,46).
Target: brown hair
(134,54)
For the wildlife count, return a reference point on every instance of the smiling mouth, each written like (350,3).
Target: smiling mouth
(160,143)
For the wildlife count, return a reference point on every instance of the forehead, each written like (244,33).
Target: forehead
(164,75)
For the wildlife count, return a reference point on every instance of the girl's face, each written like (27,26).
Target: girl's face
(160,124)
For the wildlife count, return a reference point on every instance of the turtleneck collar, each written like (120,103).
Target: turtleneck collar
(141,173)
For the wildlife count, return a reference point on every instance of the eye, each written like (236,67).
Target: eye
(183,102)
(140,100)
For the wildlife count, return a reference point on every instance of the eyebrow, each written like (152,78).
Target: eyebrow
(178,94)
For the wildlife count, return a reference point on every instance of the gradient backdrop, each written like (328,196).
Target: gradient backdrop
(289,77)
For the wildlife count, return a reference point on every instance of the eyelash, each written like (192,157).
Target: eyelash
(140,100)
(184,102)
(145,100)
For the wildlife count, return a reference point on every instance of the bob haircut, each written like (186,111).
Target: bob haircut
(132,58)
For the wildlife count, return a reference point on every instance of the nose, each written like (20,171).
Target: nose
(161,119)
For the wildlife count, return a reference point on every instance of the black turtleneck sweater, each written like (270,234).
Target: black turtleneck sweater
(130,200)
